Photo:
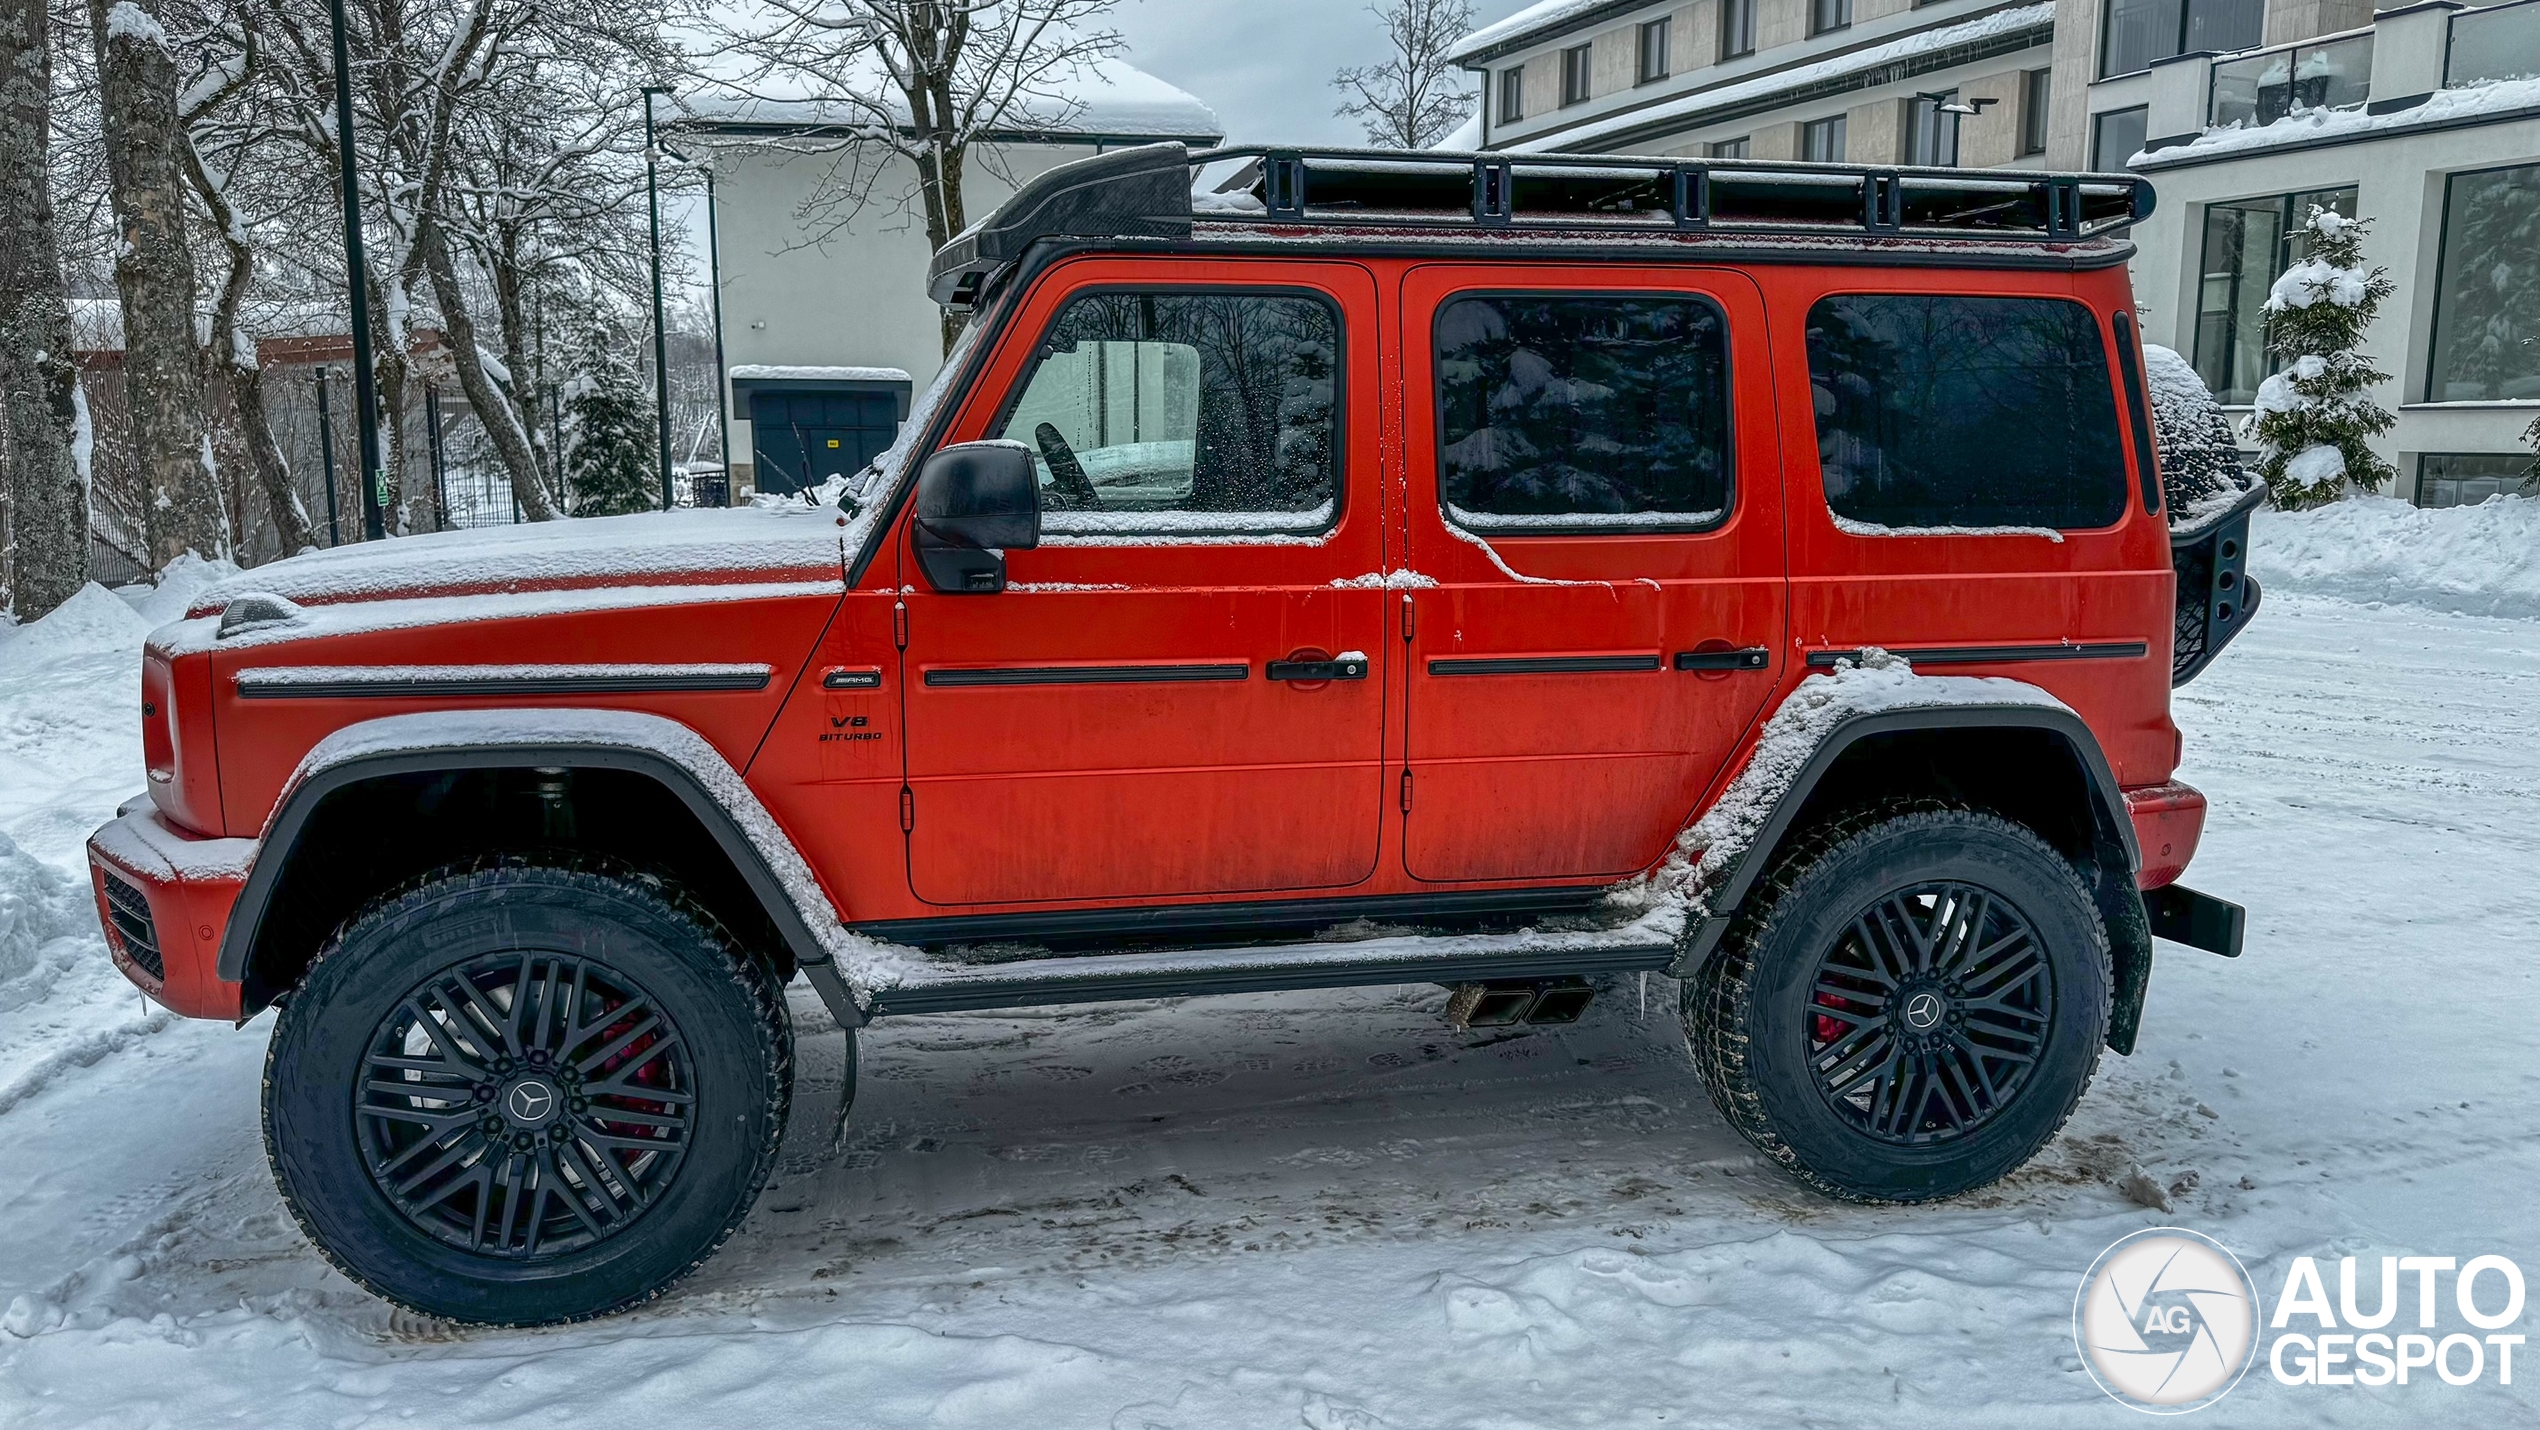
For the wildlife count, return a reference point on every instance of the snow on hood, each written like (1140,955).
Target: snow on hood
(750,545)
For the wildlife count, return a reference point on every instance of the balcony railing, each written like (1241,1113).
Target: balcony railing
(2502,42)
(2264,87)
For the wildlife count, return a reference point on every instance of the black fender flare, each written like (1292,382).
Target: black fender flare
(304,796)
(2120,902)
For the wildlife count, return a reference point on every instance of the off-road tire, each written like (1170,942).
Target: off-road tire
(732,1036)
(1749,1010)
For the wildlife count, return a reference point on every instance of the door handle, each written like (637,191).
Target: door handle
(1754,657)
(1346,667)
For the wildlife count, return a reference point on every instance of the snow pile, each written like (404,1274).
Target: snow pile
(2315,280)
(1877,681)
(93,619)
(2479,560)
(39,910)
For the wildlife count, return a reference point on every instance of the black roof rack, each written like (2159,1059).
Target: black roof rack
(1146,192)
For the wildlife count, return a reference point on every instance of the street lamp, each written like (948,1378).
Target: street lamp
(661,337)
(357,278)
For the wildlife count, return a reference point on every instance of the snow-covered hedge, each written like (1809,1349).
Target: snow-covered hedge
(2479,560)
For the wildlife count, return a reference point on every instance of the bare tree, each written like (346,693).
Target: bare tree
(44,498)
(218,144)
(154,273)
(1416,96)
(921,80)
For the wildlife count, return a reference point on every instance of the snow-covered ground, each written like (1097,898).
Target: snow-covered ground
(1329,1210)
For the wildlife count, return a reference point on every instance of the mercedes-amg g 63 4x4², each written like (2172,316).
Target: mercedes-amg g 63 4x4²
(1756,573)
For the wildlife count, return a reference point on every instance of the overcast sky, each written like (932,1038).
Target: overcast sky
(1265,66)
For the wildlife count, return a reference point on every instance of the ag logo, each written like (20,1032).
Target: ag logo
(2166,1321)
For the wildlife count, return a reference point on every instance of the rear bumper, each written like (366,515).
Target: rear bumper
(2169,819)
(164,899)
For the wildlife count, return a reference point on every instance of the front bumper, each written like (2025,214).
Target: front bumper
(164,899)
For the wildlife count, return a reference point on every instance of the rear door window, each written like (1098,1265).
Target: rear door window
(1164,412)
(1942,411)
(1562,414)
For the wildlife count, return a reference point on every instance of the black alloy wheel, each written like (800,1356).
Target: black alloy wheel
(526,1105)
(1929,1013)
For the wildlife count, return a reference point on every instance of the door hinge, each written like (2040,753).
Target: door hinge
(1406,791)
(899,624)
(1406,617)
(908,809)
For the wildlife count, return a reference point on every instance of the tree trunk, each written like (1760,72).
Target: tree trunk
(234,356)
(154,273)
(46,489)
(493,406)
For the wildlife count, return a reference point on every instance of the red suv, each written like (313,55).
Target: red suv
(1381,568)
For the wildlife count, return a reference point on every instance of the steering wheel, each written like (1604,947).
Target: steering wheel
(1067,475)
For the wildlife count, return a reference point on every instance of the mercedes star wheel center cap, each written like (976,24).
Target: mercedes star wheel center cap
(1923,1010)
(530,1102)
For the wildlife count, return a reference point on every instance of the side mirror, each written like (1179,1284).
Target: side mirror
(975,502)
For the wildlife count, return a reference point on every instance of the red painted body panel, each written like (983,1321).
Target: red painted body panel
(2169,820)
(914,800)
(189,915)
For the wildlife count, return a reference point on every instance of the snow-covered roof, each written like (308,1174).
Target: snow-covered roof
(1690,109)
(1465,137)
(812,372)
(2498,102)
(1100,99)
(1537,21)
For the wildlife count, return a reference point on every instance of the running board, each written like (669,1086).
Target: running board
(943,986)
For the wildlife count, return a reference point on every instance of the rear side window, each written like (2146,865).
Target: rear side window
(1186,411)
(1944,411)
(1582,414)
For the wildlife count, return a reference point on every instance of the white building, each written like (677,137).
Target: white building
(822,257)
(1848,81)
(2426,122)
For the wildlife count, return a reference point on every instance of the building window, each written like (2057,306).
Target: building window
(1825,15)
(2036,88)
(1821,141)
(1931,133)
(1907,386)
(1582,413)
(2468,478)
(2117,136)
(2248,245)
(1653,51)
(1161,401)
(2487,295)
(1574,75)
(1737,29)
(2141,31)
(2264,88)
(1730,148)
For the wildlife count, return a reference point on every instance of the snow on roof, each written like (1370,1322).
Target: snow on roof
(813,372)
(1535,21)
(1465,137)
(2496,102)
(1691,107)
(1100,98)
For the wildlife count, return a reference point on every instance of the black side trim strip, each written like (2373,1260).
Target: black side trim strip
(435,687)
(1255,975)
(1543,664)
(1989,654)
(1203,918)
(1088,674)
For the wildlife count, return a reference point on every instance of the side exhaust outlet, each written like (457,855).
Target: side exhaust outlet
(1501,1005)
